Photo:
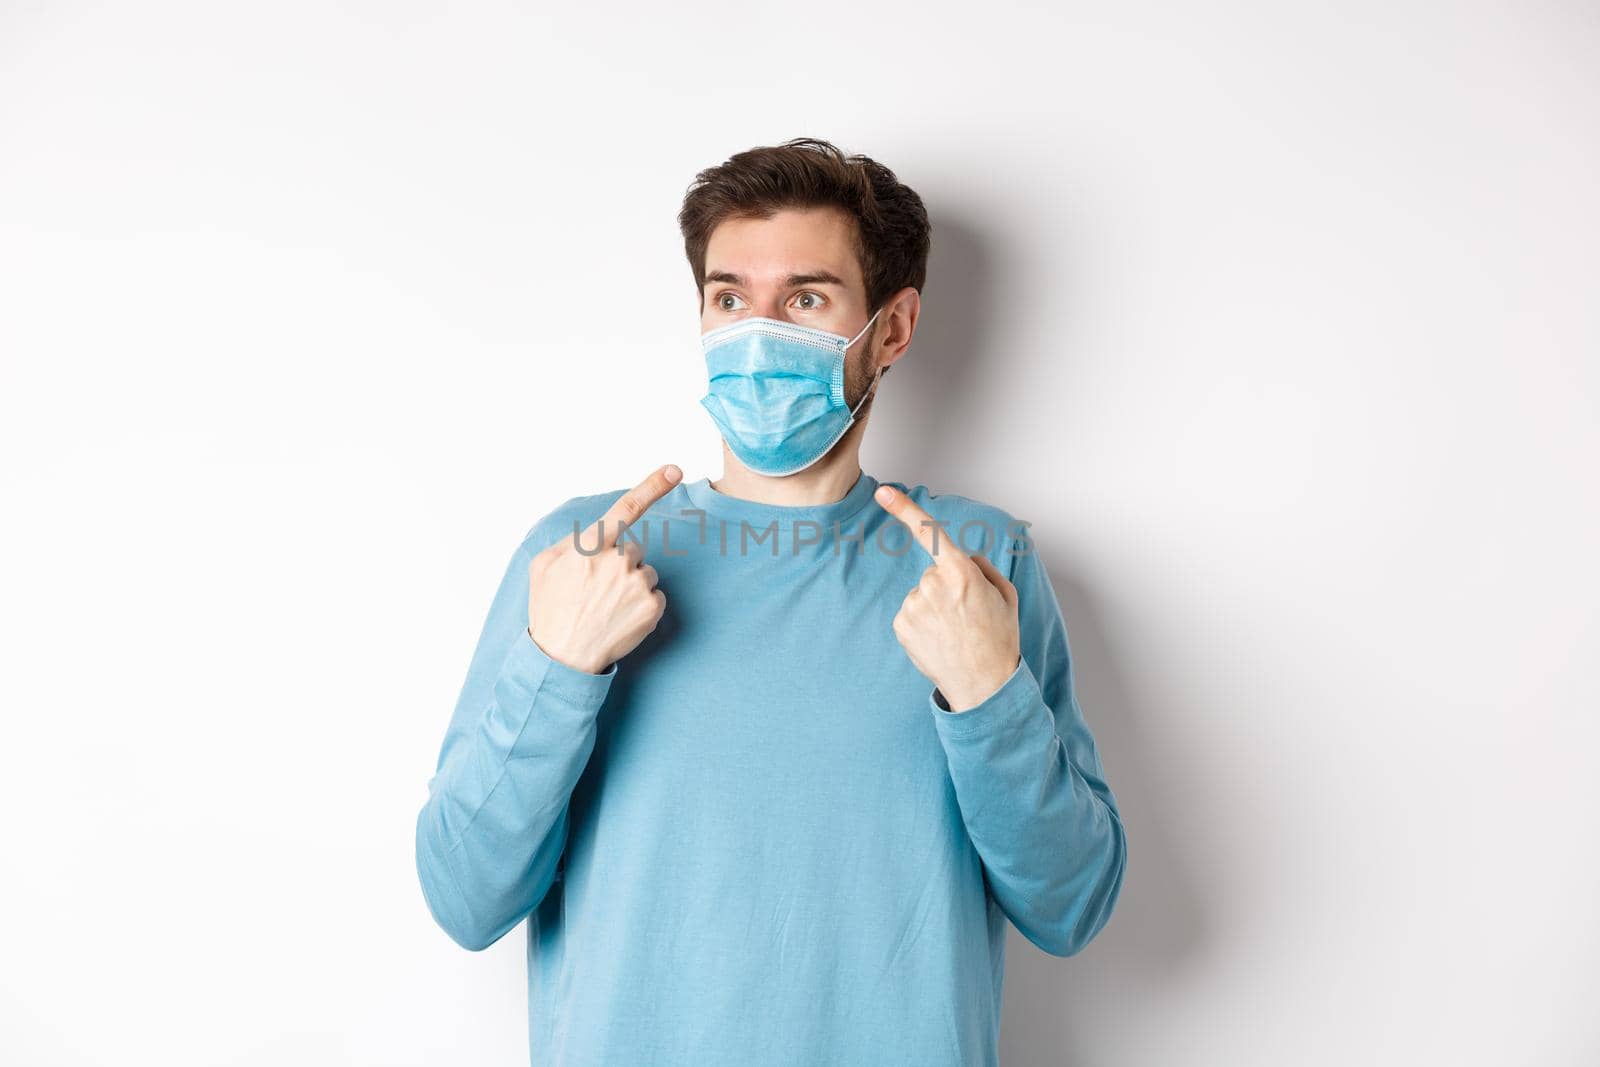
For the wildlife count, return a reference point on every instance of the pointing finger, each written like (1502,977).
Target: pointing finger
(996,579)
(930,535)
(633,504)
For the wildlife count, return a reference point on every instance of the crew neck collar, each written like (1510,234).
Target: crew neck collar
(721,505)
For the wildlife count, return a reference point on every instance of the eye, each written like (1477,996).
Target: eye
(810,301)
(728,301)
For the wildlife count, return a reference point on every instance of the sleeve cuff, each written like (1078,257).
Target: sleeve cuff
(582,689)
(1017,693)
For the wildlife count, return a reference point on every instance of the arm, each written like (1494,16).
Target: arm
(495,822)
(1029,782)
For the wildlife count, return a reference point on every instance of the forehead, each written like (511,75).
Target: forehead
(793,240)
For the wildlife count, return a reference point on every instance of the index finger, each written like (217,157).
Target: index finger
(634,503)
(930,535)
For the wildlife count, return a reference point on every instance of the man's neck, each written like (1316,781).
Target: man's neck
(828,481)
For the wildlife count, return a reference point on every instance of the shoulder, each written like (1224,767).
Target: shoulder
(560,521)
(580,512)
(976,525)
(1010,547)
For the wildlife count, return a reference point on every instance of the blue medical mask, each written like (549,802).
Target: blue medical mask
(777,391)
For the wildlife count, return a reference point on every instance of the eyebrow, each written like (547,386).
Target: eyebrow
(816,277)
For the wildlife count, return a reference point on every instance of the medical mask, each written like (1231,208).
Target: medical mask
(777,391)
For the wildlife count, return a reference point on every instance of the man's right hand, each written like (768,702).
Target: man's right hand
(589,609)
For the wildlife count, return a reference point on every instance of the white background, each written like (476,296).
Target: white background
(1279,323)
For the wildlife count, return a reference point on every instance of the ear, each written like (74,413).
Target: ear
(896,325)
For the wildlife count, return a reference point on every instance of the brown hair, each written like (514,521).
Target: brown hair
(892,230)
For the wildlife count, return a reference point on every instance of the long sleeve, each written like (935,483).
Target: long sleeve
(495,823)
(1030,786)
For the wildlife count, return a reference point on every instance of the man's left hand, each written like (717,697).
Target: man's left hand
(959,623)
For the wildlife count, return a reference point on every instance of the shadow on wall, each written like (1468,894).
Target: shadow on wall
(925,392)
(1159,926)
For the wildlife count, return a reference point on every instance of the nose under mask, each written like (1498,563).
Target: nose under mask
(777,391)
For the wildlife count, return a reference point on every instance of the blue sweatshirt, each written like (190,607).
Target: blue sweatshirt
(761,837)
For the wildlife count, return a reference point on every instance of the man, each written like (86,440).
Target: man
(769,762)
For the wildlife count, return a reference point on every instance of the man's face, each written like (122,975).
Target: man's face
(798,266)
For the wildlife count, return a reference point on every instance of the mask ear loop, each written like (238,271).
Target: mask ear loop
(864,329)
(876,376)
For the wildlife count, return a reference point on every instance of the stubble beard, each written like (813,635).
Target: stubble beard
(858,376)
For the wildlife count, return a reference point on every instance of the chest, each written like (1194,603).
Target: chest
(772,683)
